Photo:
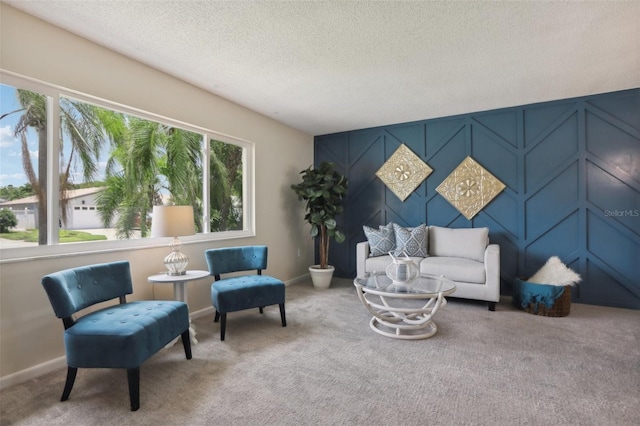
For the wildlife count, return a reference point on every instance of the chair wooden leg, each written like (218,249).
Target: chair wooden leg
(71,378)
(282,315)
(133,377)
(223,325)
(217,317)
(186,342)
(261,309)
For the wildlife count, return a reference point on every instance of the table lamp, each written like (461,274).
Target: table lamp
(173,221)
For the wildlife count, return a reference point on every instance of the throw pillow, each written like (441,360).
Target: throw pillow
(381,241)
(468,243)
(555,272)
(412,241)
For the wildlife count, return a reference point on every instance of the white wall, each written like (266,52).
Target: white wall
(30,334)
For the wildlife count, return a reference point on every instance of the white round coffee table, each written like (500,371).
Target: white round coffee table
(403,311)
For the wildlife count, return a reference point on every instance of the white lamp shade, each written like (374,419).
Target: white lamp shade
(172,221)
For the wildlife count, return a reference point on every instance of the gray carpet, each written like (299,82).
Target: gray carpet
(328,368)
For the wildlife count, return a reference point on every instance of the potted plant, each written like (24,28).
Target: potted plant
(322,189)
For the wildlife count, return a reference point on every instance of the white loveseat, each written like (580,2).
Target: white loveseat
(464,255)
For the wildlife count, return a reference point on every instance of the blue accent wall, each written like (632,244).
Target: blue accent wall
(572,175)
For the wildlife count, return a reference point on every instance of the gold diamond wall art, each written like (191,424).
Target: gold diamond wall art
(403,172)
(470,187)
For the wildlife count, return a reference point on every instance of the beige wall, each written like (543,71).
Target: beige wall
(30,335)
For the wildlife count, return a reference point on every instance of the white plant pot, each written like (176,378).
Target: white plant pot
(321,278)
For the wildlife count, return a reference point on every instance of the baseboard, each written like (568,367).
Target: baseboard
(202,312)
(299,279)
(33,372)
(61,362)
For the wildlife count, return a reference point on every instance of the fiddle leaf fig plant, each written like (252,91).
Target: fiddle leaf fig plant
(322,189)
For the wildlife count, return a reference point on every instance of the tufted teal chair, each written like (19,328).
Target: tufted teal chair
(246,291)
(119,336)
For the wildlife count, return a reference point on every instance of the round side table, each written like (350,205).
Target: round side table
(180,289)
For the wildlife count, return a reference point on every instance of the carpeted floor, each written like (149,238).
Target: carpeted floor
(328,368)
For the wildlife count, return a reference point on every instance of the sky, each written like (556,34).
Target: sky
(11,170)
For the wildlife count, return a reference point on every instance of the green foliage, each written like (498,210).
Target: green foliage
(149,159)
(11,192)
(7,220)
(322,189)
(225,191)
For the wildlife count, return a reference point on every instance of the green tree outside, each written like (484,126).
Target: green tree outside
(10,192)
(7,220)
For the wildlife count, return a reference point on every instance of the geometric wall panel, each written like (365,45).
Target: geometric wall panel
(495,155)
(552,202)
(572,170)
(623,107)
(552,151)
(539,119)
(613,247)
(502,124)
(504,210)
(597,287)
(563,236)
(620,146)
(614,199)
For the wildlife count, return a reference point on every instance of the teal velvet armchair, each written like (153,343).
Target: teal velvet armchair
(246,291)
(120,336)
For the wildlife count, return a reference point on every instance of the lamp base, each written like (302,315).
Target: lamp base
(176,262)
(175,274)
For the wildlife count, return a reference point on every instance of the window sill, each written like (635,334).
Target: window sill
(24,254)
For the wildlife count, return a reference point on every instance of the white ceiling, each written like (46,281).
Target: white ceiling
(331,66)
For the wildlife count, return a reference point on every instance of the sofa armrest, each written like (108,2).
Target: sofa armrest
(362,253)
(492,269)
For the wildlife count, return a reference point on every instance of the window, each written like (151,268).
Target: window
(108,167)
(226,187)
(23,154)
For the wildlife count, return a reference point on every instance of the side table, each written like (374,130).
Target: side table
(180,289)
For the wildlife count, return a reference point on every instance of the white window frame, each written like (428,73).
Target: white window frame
(53,249)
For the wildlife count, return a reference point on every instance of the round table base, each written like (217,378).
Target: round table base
(400,331)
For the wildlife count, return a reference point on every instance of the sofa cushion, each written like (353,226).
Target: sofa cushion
(381,241)
(380,263)
(454,268)
(468,243)
(412,241)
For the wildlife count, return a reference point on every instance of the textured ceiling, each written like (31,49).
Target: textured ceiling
(325,67)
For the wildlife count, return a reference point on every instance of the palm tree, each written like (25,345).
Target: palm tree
(80,124)
(225,164)
(87,127)
(34,115)
(151,159)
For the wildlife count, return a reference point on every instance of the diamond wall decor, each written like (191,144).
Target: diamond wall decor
(470,187)
(403,172)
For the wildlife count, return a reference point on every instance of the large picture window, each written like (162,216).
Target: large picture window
(103,168)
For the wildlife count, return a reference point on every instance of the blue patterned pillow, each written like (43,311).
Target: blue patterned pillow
(381,241)
(412,241)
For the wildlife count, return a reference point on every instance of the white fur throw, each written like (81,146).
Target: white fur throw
(554,272)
